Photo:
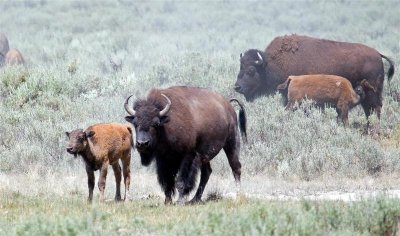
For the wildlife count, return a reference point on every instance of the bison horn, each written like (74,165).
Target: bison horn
(127,108)
(259,56)
(166,108)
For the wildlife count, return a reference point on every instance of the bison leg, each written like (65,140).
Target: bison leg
(205,175)
(126,168)
(102,179)
(232,149)
(117,173)
(90,175)
(166,172)
(290,106)
(187,176)
(343,111)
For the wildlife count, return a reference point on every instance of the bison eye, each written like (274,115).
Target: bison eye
(251,72)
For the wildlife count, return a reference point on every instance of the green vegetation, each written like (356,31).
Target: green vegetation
(72,216)
(85,57)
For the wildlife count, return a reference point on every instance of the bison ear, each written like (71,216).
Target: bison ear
(129,119)
(67,133)
(89,134)
(163,120)
(241,55)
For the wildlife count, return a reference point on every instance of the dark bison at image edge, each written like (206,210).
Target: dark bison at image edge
(4,47)
(261,72)
(183,129)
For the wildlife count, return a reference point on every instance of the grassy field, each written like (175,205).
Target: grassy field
(85,57)
(70,216)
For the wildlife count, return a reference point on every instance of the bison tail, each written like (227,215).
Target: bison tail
(242,119)
(391,67)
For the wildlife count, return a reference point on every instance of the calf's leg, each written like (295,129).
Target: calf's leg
(117,173)
(126,169)
(102,179)
(90,175)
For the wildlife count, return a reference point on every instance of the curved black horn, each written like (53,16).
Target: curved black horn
(166,108)
(127,108)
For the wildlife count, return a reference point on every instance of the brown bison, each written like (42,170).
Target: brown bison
(3,48)
(325,89)
(183,129)
(14,57)
(101,145)
(261,72)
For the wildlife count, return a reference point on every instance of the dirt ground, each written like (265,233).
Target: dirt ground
(144,185)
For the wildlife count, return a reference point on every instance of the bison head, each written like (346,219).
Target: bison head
(360,91)
(252,75)
(148,117)
(78,141)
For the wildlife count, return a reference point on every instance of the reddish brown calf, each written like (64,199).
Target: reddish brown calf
(325,89)
(101,145)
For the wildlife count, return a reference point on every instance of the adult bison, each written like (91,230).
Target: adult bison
(4,47)
(183,129)
(261,72)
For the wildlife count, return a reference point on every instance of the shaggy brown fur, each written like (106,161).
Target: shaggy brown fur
(14,57)
(3,47)
(101,145)
(261,72)
(198,124)
(325,89)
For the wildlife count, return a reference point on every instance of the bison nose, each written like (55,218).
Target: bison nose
(142,144)
(237,88)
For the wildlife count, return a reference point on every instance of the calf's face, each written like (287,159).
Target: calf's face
(78,141)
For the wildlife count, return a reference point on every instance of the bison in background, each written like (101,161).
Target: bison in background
(4,47)
(183,129)
(325,89)
(261,72)
(14,57)
(102,145)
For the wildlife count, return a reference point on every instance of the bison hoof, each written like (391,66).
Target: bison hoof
(118,199)
(195,201)
(168,201)
(181,202)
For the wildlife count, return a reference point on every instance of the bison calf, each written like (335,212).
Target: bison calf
(14,57)
(325,89)
(101,145)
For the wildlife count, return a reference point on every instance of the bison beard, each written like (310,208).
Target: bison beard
(183,129)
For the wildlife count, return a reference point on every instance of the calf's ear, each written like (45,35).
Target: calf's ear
(90,134)
(67,133)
